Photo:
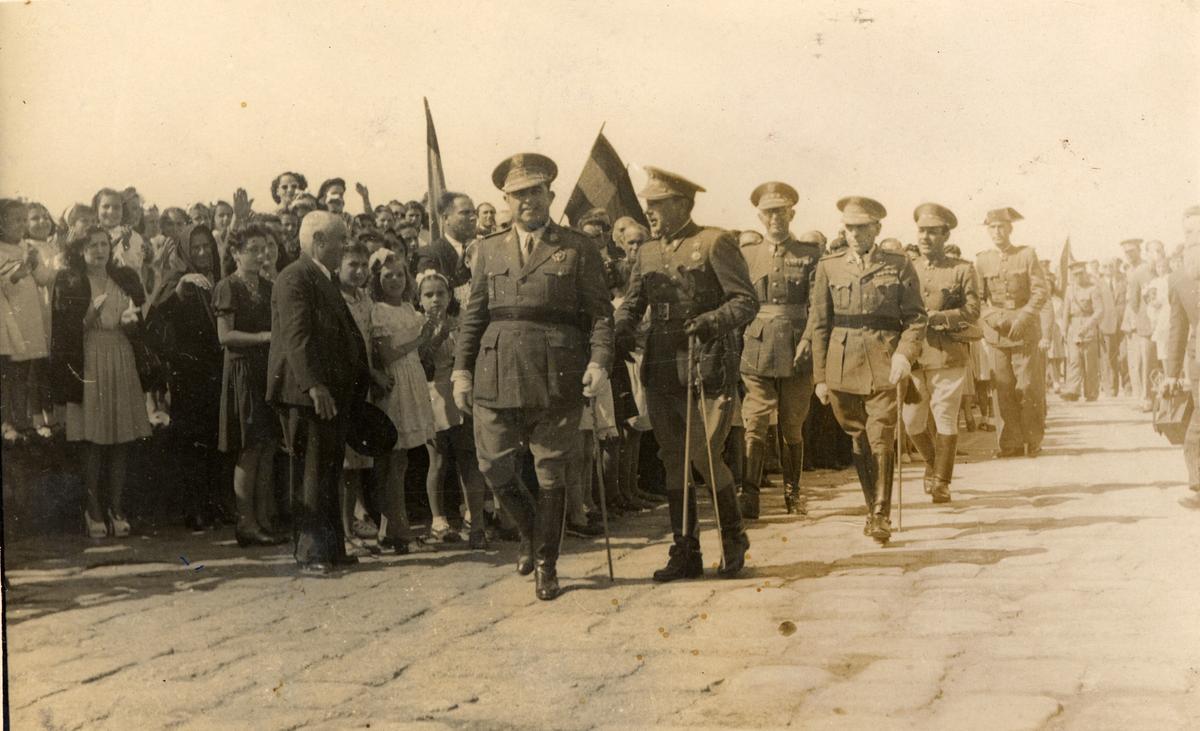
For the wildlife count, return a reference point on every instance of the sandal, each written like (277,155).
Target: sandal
(94,528)
(415,545)
(120,526)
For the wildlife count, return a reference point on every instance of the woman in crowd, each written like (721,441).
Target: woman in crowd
(129,248)
(416,217)
(94,371)
(22,330)
(40,236)
(183,326)
(397,332)
(331,196)
(248,426)
(200,213)
(286,187)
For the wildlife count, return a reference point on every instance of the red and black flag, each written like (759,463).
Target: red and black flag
(604,183)
(437,179)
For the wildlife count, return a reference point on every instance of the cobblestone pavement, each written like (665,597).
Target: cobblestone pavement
(1052,593)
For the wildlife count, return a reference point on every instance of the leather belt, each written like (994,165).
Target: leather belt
(672,311)
(792,312)
(544,315)
(870,322)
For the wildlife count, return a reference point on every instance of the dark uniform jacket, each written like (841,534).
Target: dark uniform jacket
(948,288)
(528,332)
(697,272)
(1013,285)
(1083,308)
(1183,297)
(441,257)
(313,340)
(861,317)
(783,276)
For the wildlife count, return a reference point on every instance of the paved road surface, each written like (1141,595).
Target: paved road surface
(1061,592)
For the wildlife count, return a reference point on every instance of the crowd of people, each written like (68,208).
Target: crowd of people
(531,363)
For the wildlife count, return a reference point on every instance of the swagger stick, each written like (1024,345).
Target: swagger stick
(687,437)
(712,475)
(598,456)
(899,451)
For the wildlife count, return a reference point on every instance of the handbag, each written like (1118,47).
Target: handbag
(1172,412)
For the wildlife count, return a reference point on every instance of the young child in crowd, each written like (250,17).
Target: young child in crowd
(22,330)
(397,332)
(40,238)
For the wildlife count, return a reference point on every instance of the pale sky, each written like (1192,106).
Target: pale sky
(1082,115)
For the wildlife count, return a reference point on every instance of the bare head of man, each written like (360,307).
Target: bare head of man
(323,237)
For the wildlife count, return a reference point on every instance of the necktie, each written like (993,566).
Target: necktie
(527,249)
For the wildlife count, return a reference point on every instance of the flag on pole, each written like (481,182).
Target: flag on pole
(604,183)
(1064,263)
(437,179)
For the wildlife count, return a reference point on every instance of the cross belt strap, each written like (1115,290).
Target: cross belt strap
(870,322)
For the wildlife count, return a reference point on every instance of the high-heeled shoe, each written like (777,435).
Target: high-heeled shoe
(94,528)
(118,524)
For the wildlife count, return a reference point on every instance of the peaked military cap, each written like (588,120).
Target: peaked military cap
(1008,215)
(932,214)
(1132,243)
(857,209)
(774,195)
(524,170)
(662,184)
(812,237)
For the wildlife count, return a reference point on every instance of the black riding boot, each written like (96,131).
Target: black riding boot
(552,505)
(943,467)
(516,502)
(925,445)
(793,498)
(881,510)
(685,561)
(733,535)
(864,464)
(756,453)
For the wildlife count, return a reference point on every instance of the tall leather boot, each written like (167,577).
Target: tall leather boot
(793,498)
(685,561)
(733,533)
(516,502)
(552,505)
(881,510)
(943,467)
(864,465)
(756,452)
(924,444)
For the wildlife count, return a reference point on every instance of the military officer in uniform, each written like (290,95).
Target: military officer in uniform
(1083,306)
(951,300)
(776,356)
(867,325)
(694,282)
(534,339)
(1182,351)
(1014,292)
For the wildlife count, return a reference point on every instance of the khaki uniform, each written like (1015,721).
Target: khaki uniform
(698,272)
(1014,286)
(864,311)
(1083,308)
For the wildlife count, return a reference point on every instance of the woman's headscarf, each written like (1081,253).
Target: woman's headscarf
(176,260)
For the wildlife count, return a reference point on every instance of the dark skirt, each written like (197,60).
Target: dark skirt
(246,419)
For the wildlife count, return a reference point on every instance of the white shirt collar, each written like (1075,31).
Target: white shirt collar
(458,246)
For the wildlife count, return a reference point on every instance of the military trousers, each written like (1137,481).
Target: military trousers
(788,398)
(1139,351)
(1018,377)
(1110,362)
(1083,371)
(872,414)
(941,392)
(668,418)
(552,435)
(1191,441)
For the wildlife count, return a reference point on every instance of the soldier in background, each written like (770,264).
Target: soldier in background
(867,325)
(1181,367)
(694,283)
(1112,294)
(776,362)
(534,339)
(1136,324)
(1083,308)
(948,289)
(1014,292)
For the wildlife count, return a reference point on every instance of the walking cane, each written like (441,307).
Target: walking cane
(712,480)
(598,456)
(899,451)
(687,436)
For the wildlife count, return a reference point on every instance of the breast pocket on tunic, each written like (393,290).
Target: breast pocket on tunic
(560,289)
(880,290)
(843,297)
(487,365)
(501,287)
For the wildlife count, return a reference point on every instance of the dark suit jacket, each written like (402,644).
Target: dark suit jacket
(313,340)
(442,258)
(1182,295)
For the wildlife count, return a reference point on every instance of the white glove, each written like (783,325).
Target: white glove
(464,384)
(901,368)
(822,392)
(594,380)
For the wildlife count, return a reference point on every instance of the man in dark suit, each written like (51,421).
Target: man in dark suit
(316,373)
(1184,321)
(534,340)
(446,255)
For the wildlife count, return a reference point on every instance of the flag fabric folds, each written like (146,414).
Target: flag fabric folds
(1064,263)
(437,178)
(604,183)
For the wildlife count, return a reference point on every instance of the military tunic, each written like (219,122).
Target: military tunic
(1014,286)
(782,275)
(948,289)
(1084,306)
(863,311)
(698,272)
(527,333)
